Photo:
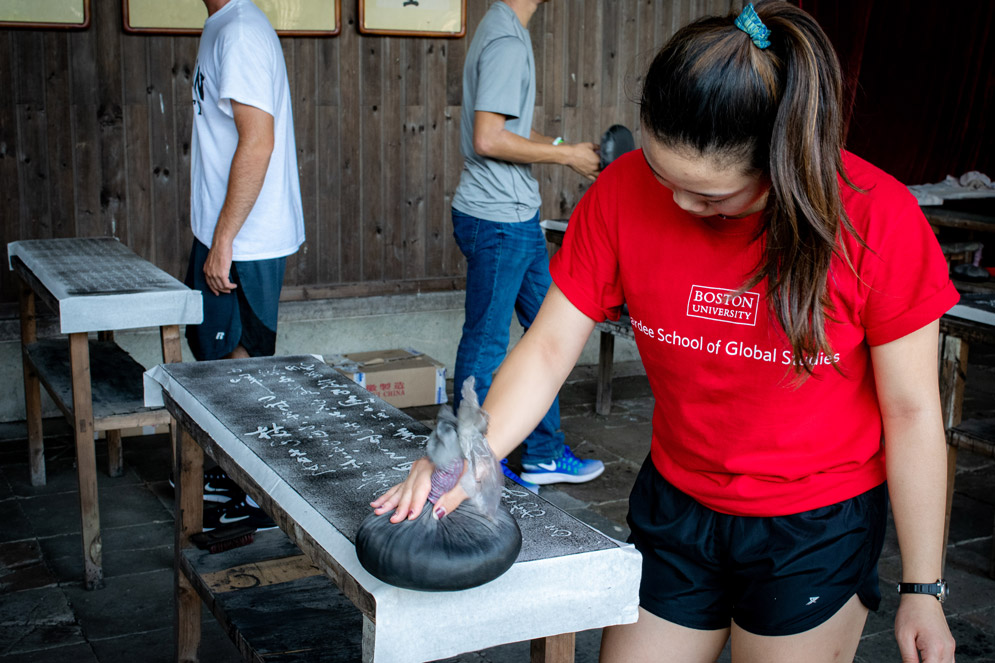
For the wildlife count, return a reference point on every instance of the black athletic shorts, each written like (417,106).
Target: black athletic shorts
(246,316)
(772,576)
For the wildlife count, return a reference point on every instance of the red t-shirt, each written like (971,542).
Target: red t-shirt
(732,427)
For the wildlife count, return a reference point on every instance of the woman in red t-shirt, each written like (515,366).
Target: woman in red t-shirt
(766,274)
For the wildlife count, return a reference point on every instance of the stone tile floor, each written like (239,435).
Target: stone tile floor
(46,615)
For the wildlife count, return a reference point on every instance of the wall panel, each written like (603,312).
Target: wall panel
(95,136)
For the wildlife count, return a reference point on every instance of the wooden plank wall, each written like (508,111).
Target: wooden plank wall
(95,135)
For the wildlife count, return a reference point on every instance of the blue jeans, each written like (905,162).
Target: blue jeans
(507,270)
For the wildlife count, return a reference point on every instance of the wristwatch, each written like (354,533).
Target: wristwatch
(938,589)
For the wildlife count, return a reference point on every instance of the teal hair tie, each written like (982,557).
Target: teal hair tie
(750,23)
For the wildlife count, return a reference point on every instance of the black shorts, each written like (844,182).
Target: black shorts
(772,576)
(246,316)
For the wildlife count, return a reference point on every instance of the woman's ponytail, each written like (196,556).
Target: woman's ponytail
(765,89)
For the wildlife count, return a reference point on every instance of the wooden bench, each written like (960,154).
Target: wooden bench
(609,329)
(276,605)
(970,321)
(960,253)
(94,285)
(977,436)
(313,449)
(956,215)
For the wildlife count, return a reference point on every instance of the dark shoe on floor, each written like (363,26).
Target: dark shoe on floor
(237,512)
(218,487)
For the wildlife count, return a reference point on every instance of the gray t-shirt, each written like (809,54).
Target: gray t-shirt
(498,77)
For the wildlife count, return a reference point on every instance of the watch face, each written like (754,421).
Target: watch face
(944,591)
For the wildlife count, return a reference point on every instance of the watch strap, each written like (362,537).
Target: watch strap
(937,589)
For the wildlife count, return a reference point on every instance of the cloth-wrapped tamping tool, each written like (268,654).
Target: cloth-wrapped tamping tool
(475,543)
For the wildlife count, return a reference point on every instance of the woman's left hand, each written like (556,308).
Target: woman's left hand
(408,498)
(921,628)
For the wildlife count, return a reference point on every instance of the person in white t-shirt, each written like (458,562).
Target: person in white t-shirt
(245,205)
(245,199)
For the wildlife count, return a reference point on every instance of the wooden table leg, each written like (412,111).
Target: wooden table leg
(86,462)
(172,353)
(188,473)
(606,359)
(554,649)
(991,557)
(369,639)
(115,455)
(32,387)
(951,475)
(953,373)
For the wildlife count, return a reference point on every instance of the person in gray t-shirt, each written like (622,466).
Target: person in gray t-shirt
(496,218)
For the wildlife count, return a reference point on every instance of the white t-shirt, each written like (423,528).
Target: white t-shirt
(240,59)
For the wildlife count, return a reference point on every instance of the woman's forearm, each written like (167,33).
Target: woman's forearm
(531,375)
(916,463)
(915,448)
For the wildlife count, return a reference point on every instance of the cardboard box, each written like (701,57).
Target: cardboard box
(403,378)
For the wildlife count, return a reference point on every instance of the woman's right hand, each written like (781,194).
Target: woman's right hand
(408,498)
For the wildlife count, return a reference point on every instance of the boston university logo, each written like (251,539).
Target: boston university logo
(723,305)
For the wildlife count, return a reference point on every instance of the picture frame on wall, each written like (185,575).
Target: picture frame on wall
(413,18)
(290,18)
(66,14)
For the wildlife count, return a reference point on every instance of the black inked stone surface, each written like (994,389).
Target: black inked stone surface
(95,266)
(339,447)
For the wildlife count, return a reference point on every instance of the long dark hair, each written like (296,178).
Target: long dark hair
(713,92)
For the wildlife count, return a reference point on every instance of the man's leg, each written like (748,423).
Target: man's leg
(494,271)
(545,443)
(215,338)
(219,333)
(236,325)
(238,353)
(259,285)
(545,457)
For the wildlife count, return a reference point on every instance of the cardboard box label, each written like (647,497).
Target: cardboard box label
(387,390)
(403,378)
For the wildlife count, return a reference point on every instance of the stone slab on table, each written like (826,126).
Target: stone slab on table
(975,307)
(102,285)
(321,448)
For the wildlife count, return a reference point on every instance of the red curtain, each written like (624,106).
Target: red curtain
(921,79)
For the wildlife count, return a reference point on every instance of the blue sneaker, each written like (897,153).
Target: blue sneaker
(565,469)
(527,485)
